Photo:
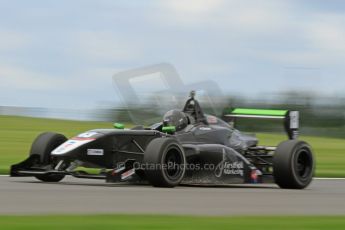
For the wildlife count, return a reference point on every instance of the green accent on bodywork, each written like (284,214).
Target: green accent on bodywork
(119,126)
(261,112)
(169,129)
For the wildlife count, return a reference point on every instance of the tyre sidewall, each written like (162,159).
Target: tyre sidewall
(300,181)
(155,154)
(284,164)
(167,148)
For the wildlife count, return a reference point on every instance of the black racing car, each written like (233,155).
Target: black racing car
(187,147)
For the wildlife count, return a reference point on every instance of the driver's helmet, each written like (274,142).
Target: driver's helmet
(175,118)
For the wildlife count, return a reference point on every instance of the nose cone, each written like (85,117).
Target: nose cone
(70,145)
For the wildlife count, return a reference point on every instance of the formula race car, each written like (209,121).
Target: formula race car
(187,147)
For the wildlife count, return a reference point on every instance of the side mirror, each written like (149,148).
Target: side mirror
(119,126)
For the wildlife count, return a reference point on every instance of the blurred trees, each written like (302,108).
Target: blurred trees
(319,115)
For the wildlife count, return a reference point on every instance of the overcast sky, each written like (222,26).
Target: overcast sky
(64,53)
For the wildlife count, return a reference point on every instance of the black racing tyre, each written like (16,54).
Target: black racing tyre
(43,145)
(165,162)
(293,164)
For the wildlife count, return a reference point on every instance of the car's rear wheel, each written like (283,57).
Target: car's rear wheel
(293,164)
(165,162)
(43,145)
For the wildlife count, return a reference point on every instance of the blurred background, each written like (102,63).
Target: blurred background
(89,63)
(58,59)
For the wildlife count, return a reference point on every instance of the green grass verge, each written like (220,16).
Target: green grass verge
(329,153)
(17,134)
(123,222)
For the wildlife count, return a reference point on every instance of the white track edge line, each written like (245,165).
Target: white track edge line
(329,178)
(316,178)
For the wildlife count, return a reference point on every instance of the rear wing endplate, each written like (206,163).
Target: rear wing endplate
(289,118)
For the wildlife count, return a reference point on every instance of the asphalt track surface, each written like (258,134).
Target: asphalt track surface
(82,196)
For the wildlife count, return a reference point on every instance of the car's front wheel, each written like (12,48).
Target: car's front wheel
(43,145)
(165,162)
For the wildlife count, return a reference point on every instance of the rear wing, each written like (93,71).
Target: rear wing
(290,118)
